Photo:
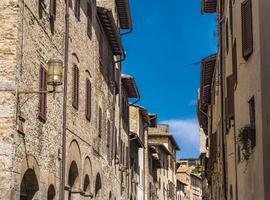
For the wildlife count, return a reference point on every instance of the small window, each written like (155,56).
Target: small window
(247,31)
(88,99)
(89,20)
(41,6)
(42,111)
(75,89)
(77,6)
(227,36)
(101,49)
(252,121)
(99,122)
(52,14)
(234,63)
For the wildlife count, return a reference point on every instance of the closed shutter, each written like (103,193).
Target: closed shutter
(101,49)
(247,32)
(213,148)
(234,62)
(227,36)
(42,96)
(99,122)
(108,141)
(89,20)
(88,99)
(231,16)
(77,9)
(75,91)
(230,97)
(53,9)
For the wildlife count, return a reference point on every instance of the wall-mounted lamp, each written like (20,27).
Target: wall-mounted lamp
(55,72)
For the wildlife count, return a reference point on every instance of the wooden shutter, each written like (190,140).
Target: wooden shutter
(89,20)
(88,99)
(234,63)
(77,9)
(101,49)
(247,32)
(227,36)
(53,9)
(213,148)
(42,111)
(231,16)
(230,97)
(75,91)
(99,122)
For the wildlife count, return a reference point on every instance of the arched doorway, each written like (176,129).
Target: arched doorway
(98,186)
(51,193)
(72,178)
(29,185)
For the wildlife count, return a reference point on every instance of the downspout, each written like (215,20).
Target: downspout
(222,104)
(63,163)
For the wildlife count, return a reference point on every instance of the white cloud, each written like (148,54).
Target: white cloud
(186,133)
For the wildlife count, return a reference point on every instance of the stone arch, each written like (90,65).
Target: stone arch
(51,192)
(29,185)
(98,186)
(74,155)
(87,176)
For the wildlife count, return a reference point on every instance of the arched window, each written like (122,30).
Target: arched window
(29,185)
(86,183)
(98,185)
(51,193)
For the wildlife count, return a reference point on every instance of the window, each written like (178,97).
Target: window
(88,99)
(53,9)
(227,36)
(101,49)
(252,121)
(230,97)
(89,20)
(99,122)
(75,89)
(234,63)
(247,32)
(41,6)
(77,5)
(42,111)
(109,141)
(231,16)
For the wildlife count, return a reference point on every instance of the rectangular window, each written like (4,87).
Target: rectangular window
(42,111)
(247,32)
(75,87)
(99,122)
(77,9)
(230,97)
(41,6)
(53,9)
(109,141)
(234,63)
(88,99)
(252,122)
(227,36)
(89,20)
(101,49)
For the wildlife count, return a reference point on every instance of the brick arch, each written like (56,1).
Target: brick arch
(30,162)
(74,163)
(75,58)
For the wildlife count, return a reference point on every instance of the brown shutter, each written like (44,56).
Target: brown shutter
(75,92)
(247,32)
(89,20)
(213,148)
(227,36)
(230,96)
(53,9)
(88,99)
(234,63)
(231,16)
(42,96)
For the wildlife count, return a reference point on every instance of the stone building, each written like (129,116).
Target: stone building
(71,142)
(139,122)
(166,147)
(234,102)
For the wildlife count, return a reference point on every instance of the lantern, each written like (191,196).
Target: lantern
(55,72)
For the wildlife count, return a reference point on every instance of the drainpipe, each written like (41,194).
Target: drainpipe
(222,105)
(63,163)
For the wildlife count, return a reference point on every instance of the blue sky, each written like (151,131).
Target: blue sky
(168,37)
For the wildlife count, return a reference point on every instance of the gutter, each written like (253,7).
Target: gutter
(63,163)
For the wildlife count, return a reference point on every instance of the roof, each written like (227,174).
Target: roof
(207,71)
(130,86)
(182,169)
(123,10)
(166,135)
(209,6)
(106,19)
